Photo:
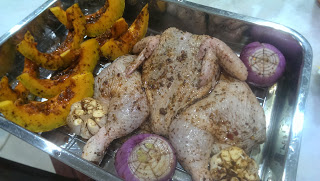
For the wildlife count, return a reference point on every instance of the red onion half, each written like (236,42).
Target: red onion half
(146,157)
(265,63)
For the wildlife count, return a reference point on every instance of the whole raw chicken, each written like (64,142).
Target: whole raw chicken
(179,69)
(229,116)
(179,72)
(125,103)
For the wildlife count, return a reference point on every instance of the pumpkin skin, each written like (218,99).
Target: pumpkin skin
(99,22)
(19,92)
(78,22)
(117,29)
(86,62)
(47,88)
(115,48)
(65,54)
(48,115)
(6,93)
(96,27)
(61,15)
(27,48)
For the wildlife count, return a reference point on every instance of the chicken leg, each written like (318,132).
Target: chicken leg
(125,102)
(229,116)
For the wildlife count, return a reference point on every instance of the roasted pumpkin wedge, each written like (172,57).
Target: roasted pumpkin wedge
(27,47)
(99,22)
(30,68)
(114,48)
(61,15)
(22,92)
(117,29)
(64,55)
(19,92)
(88,58)
(33,70)
(96,27)
(6,93)
(47,88)
(76,25)
(78,21)
(45,116)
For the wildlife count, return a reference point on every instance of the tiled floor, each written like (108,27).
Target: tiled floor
(22,152)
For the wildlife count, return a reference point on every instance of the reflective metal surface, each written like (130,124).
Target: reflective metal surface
(284,103)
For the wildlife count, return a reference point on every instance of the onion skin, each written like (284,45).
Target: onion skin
(262,77)
(124,153)
(285,42)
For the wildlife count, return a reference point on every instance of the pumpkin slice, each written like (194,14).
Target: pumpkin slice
(47,88)
(45,116)
(61,15)
(76,17)
(19,92)
(114,48)
(27,47)
(88,58)
(22,93)
(6,93)
(99,22)
(96,27)
(117,29)
(64,55)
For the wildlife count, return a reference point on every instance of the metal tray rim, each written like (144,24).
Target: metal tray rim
(292,156)
(26,20)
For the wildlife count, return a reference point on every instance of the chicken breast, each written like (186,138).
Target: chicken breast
(171,77)
(179,69)
(229,116)
(125,103)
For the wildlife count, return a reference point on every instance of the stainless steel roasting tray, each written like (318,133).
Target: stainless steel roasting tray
(284,103)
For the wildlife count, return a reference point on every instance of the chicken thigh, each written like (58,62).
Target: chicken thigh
(180,68)
(125,103)
(229,116)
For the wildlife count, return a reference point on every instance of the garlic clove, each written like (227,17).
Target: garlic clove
(91,115)
(79,112)
(76,125)
(98,113)
(76,105)
(92,126)
(84,132)
(93,103)
(233,162)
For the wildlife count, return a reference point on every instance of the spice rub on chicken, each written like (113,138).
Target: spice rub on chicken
(200,109)
(125,104)
(180,68)
(230,116)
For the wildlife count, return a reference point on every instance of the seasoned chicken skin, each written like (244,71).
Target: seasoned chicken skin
(125,103)
(229,116)
(180,68)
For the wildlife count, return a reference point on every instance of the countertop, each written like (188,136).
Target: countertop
(302,16)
